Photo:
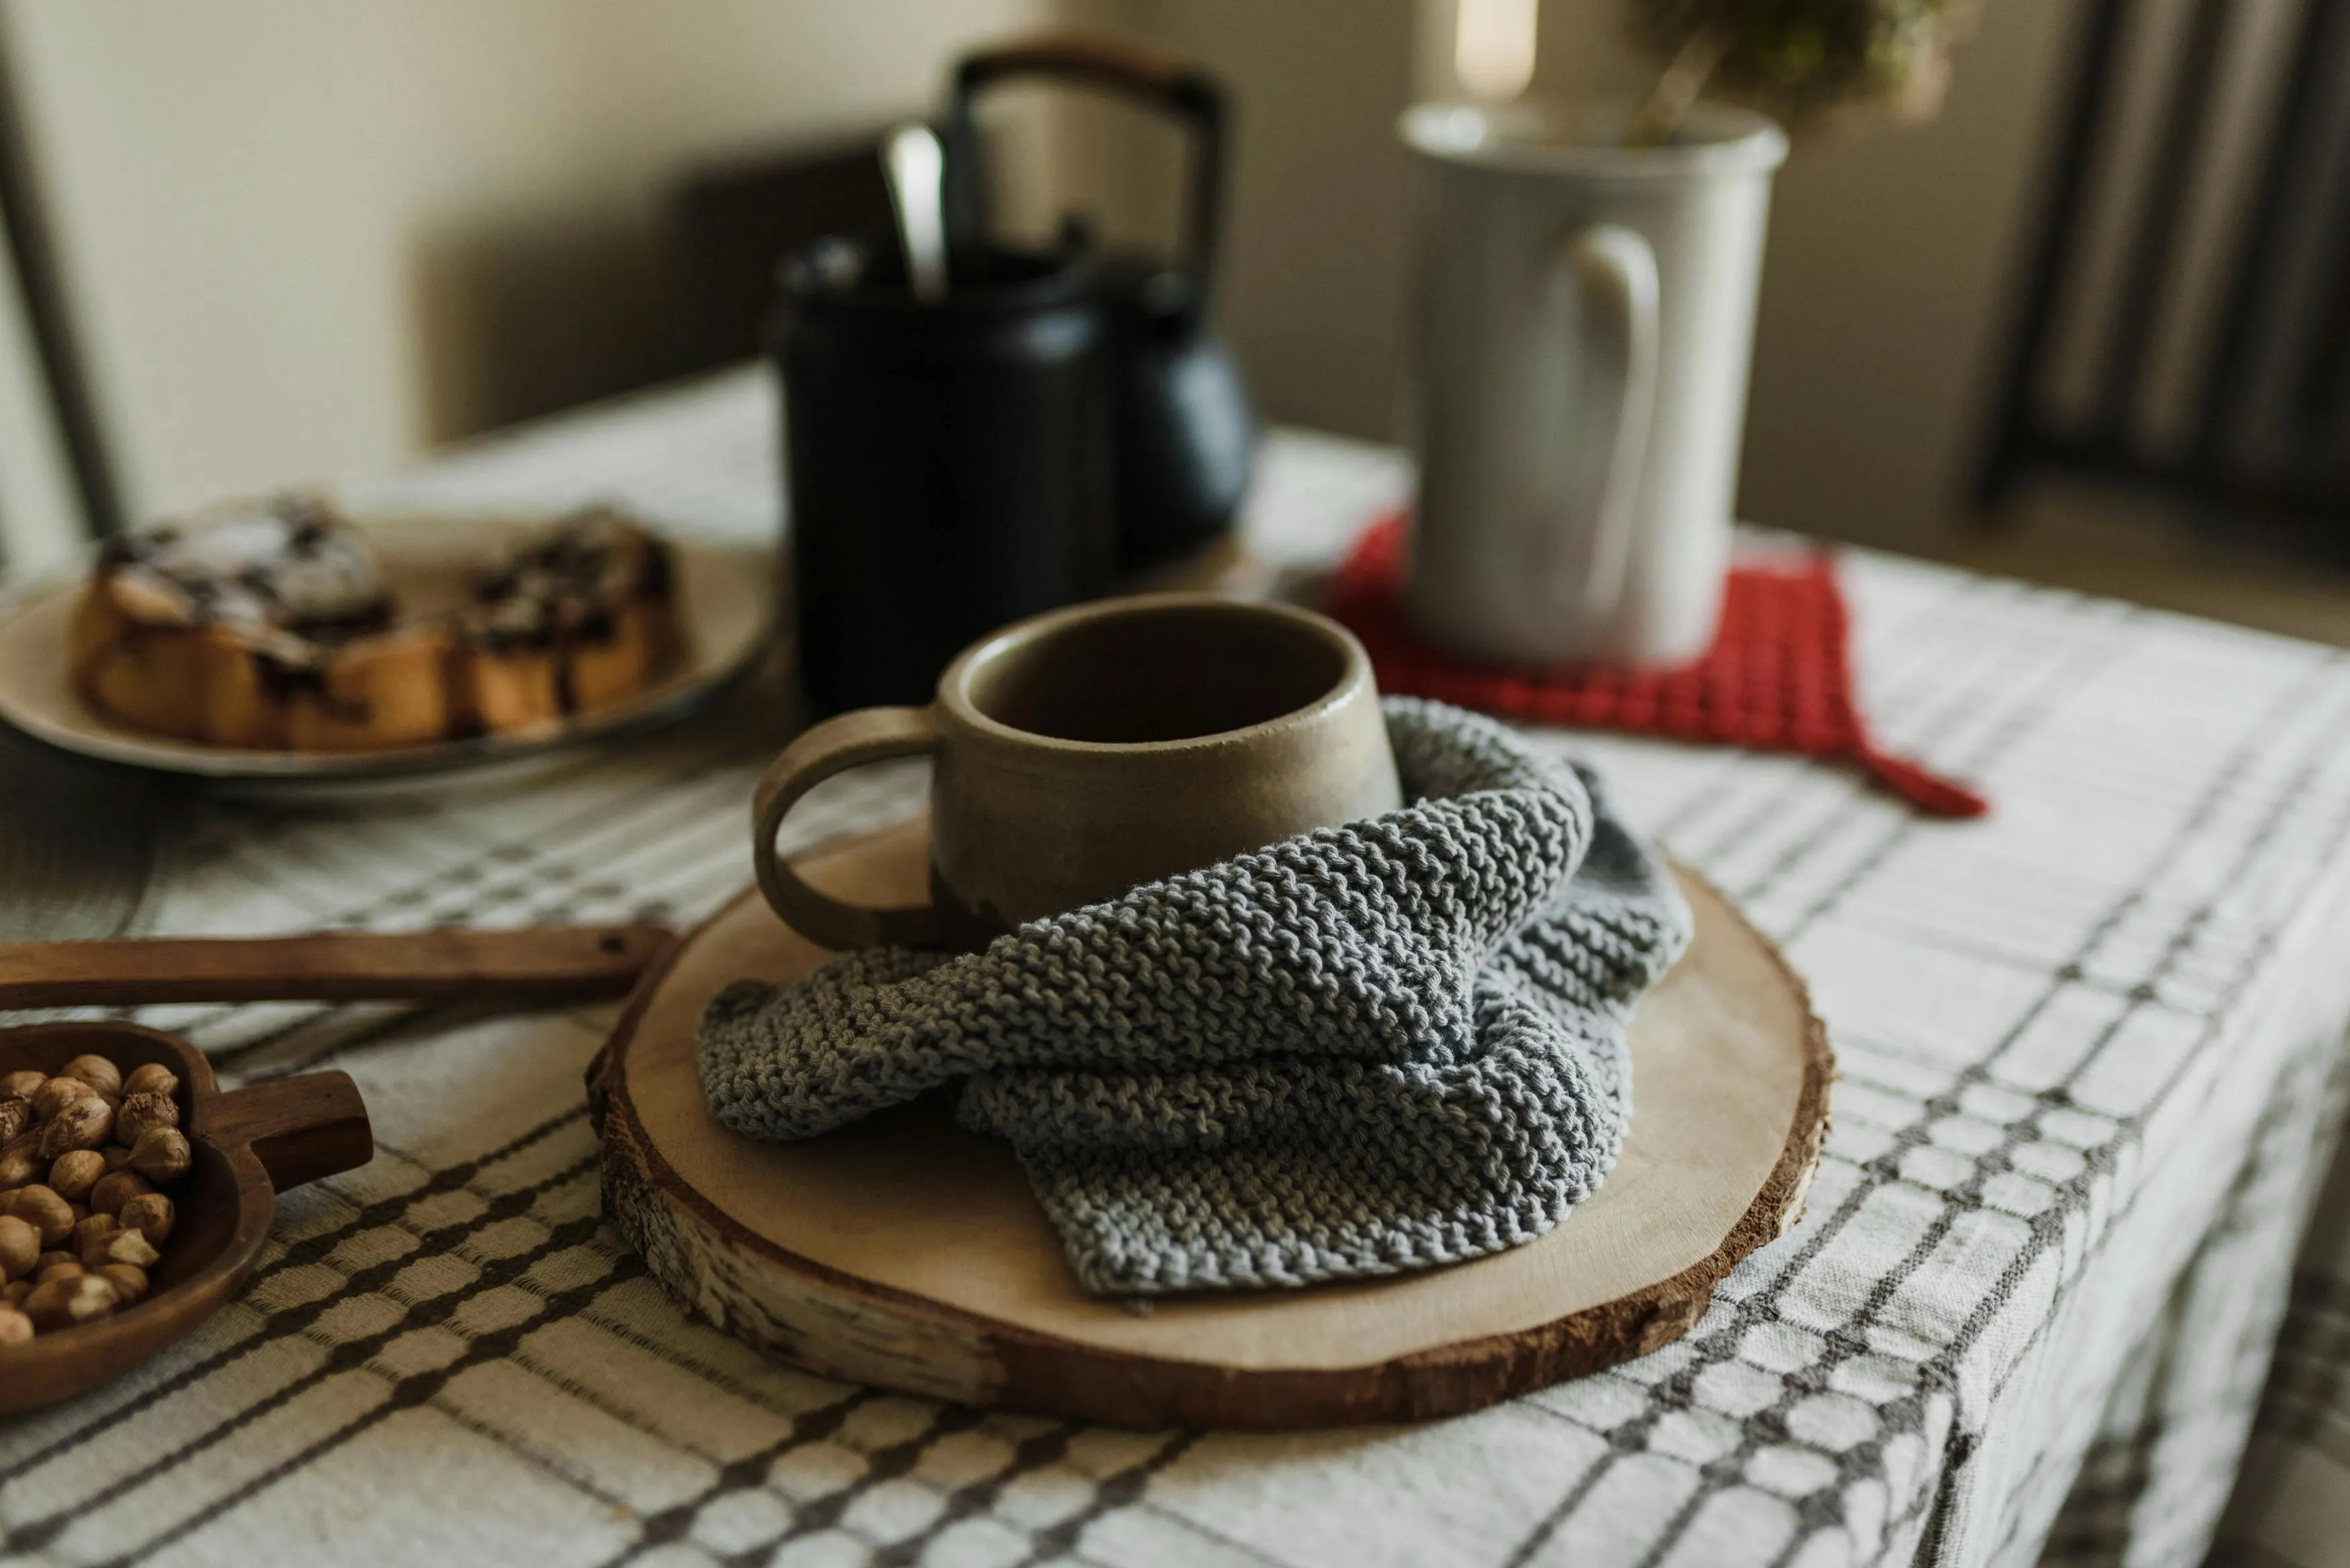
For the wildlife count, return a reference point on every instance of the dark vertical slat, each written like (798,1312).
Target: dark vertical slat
(2012,419)
(2323,376)
(2261,246)
(2312,483)
(2157,240)
(2324,368)
(48,317)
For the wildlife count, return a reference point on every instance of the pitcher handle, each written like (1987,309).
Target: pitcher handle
(849,740)
(1616,272)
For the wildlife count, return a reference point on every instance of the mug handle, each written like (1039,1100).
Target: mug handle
(849,740)
(1617,273)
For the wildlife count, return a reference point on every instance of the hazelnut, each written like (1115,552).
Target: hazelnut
(129,1280)
(161,1155)
(15,1293)
(131,1247)
(20,1085)
(63,1304)
(21,1161)
(141,1111)
(116,1157)
(55,1094)
(97,1072)
(15,1328)
(20,1247)
(46,1212)
(90,1246)
(85,1123)
(65,1268)
(51,1259)
(113,1191)
(154,1078)
(16,1116)
(74,1173)
(152,1215)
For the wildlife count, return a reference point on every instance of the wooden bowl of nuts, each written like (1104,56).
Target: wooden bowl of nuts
(135,1196)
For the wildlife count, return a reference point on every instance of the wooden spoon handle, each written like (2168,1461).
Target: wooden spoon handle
(552,963)
(299,1128)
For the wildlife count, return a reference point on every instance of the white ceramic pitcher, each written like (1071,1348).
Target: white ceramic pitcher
(1584,317)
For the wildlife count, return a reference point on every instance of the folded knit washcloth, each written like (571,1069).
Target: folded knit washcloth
(1365,1050)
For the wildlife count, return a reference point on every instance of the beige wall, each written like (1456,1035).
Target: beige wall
(1886,289)
(1313,288)
(309,237)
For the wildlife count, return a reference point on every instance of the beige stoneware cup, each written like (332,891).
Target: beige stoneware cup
(1084,751)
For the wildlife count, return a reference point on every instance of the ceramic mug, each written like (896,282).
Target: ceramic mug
(1083,751)
(1583,319)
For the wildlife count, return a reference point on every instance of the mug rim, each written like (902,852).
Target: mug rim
(1461,133)
(954,695)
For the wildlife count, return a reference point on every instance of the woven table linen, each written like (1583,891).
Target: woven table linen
(2090,1045)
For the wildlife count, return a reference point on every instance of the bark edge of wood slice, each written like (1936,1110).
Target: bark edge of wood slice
(907,1253)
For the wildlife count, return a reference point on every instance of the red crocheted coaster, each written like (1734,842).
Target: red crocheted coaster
(1779,677)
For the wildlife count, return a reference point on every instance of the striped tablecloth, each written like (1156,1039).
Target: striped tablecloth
(2091,1048)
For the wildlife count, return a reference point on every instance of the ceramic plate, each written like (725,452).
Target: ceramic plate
(725,601)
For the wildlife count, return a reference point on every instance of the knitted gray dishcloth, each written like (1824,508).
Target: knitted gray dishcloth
(1365,1050)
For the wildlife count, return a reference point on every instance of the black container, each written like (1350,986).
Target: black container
(1186,427)
(949,465)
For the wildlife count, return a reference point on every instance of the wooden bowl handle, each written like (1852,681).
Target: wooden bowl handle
(299,1128)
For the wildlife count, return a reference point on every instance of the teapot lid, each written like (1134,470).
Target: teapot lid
(840,270)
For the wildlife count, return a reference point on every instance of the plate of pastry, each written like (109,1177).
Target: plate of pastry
(276,638)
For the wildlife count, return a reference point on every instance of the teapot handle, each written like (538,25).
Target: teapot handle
(1148,75)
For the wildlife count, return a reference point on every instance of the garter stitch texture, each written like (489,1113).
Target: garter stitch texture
(1365,1050)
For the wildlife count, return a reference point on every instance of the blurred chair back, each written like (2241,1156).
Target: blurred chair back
(2183,324)
(733,225)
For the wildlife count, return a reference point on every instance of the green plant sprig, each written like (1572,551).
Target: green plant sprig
(1803,61)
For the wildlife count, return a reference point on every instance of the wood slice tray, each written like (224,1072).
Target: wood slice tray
(905,1252)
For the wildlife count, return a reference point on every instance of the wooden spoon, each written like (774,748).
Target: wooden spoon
(544,964)
(249,1145)
(253,1143)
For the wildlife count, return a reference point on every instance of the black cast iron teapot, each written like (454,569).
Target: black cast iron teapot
(1186,427)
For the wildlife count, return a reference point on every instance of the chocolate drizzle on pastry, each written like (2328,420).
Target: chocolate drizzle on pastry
(284,565)
(268,624)
(565,587)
